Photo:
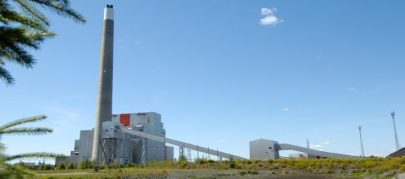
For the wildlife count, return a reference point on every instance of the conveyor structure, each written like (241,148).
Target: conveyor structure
(268,149)
(174,142)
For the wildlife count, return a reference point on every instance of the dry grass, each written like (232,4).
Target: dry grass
(371,167)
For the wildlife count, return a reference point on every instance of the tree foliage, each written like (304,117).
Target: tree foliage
(8,170)
(23,26)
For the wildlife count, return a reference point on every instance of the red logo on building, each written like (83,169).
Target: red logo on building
(125,120)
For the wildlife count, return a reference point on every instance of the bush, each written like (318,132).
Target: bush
(232,163)
(70,166)
(61,166)
(242,173)
(182,157)
(44,166)
(201,161)
(86,164)
(253,172)
(183,162)
(128,165)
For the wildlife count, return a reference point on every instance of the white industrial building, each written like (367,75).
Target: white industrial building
(264,149)
(124,147)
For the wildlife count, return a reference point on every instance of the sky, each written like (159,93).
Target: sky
(223,73)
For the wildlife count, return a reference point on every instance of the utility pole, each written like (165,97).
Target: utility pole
(217,154)
(198,156)
(361,143)
(181,152)
(307,143)
(395,131)
(189,155)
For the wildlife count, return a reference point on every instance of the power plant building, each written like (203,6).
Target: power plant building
(125,148)
(141,137)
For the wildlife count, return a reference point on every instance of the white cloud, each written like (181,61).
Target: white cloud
(315,146)
(286,109)
(326,142)
(320,145)
(268,17)
(269,20)
(268,11)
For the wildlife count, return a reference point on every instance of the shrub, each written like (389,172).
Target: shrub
(242,173)
(253,172)
(183,162)
(232,163)
(86,164)
(270,161)
(44,166)
(182,157)
(128,165)
(70,166)
(61,166)
(200,161)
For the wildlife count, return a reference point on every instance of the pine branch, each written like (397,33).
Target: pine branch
(9,16)
(18,36)
(23,121)
(19,55)
(62,8)
(33,156)
(24,27)
(12,41)
(27,130)
(27,6)
(6,75)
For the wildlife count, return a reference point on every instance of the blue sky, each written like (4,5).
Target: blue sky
(223,73)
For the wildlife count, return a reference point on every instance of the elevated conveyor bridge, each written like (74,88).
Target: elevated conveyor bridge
(181,144)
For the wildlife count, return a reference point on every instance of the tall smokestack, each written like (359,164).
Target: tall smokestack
(104,103)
